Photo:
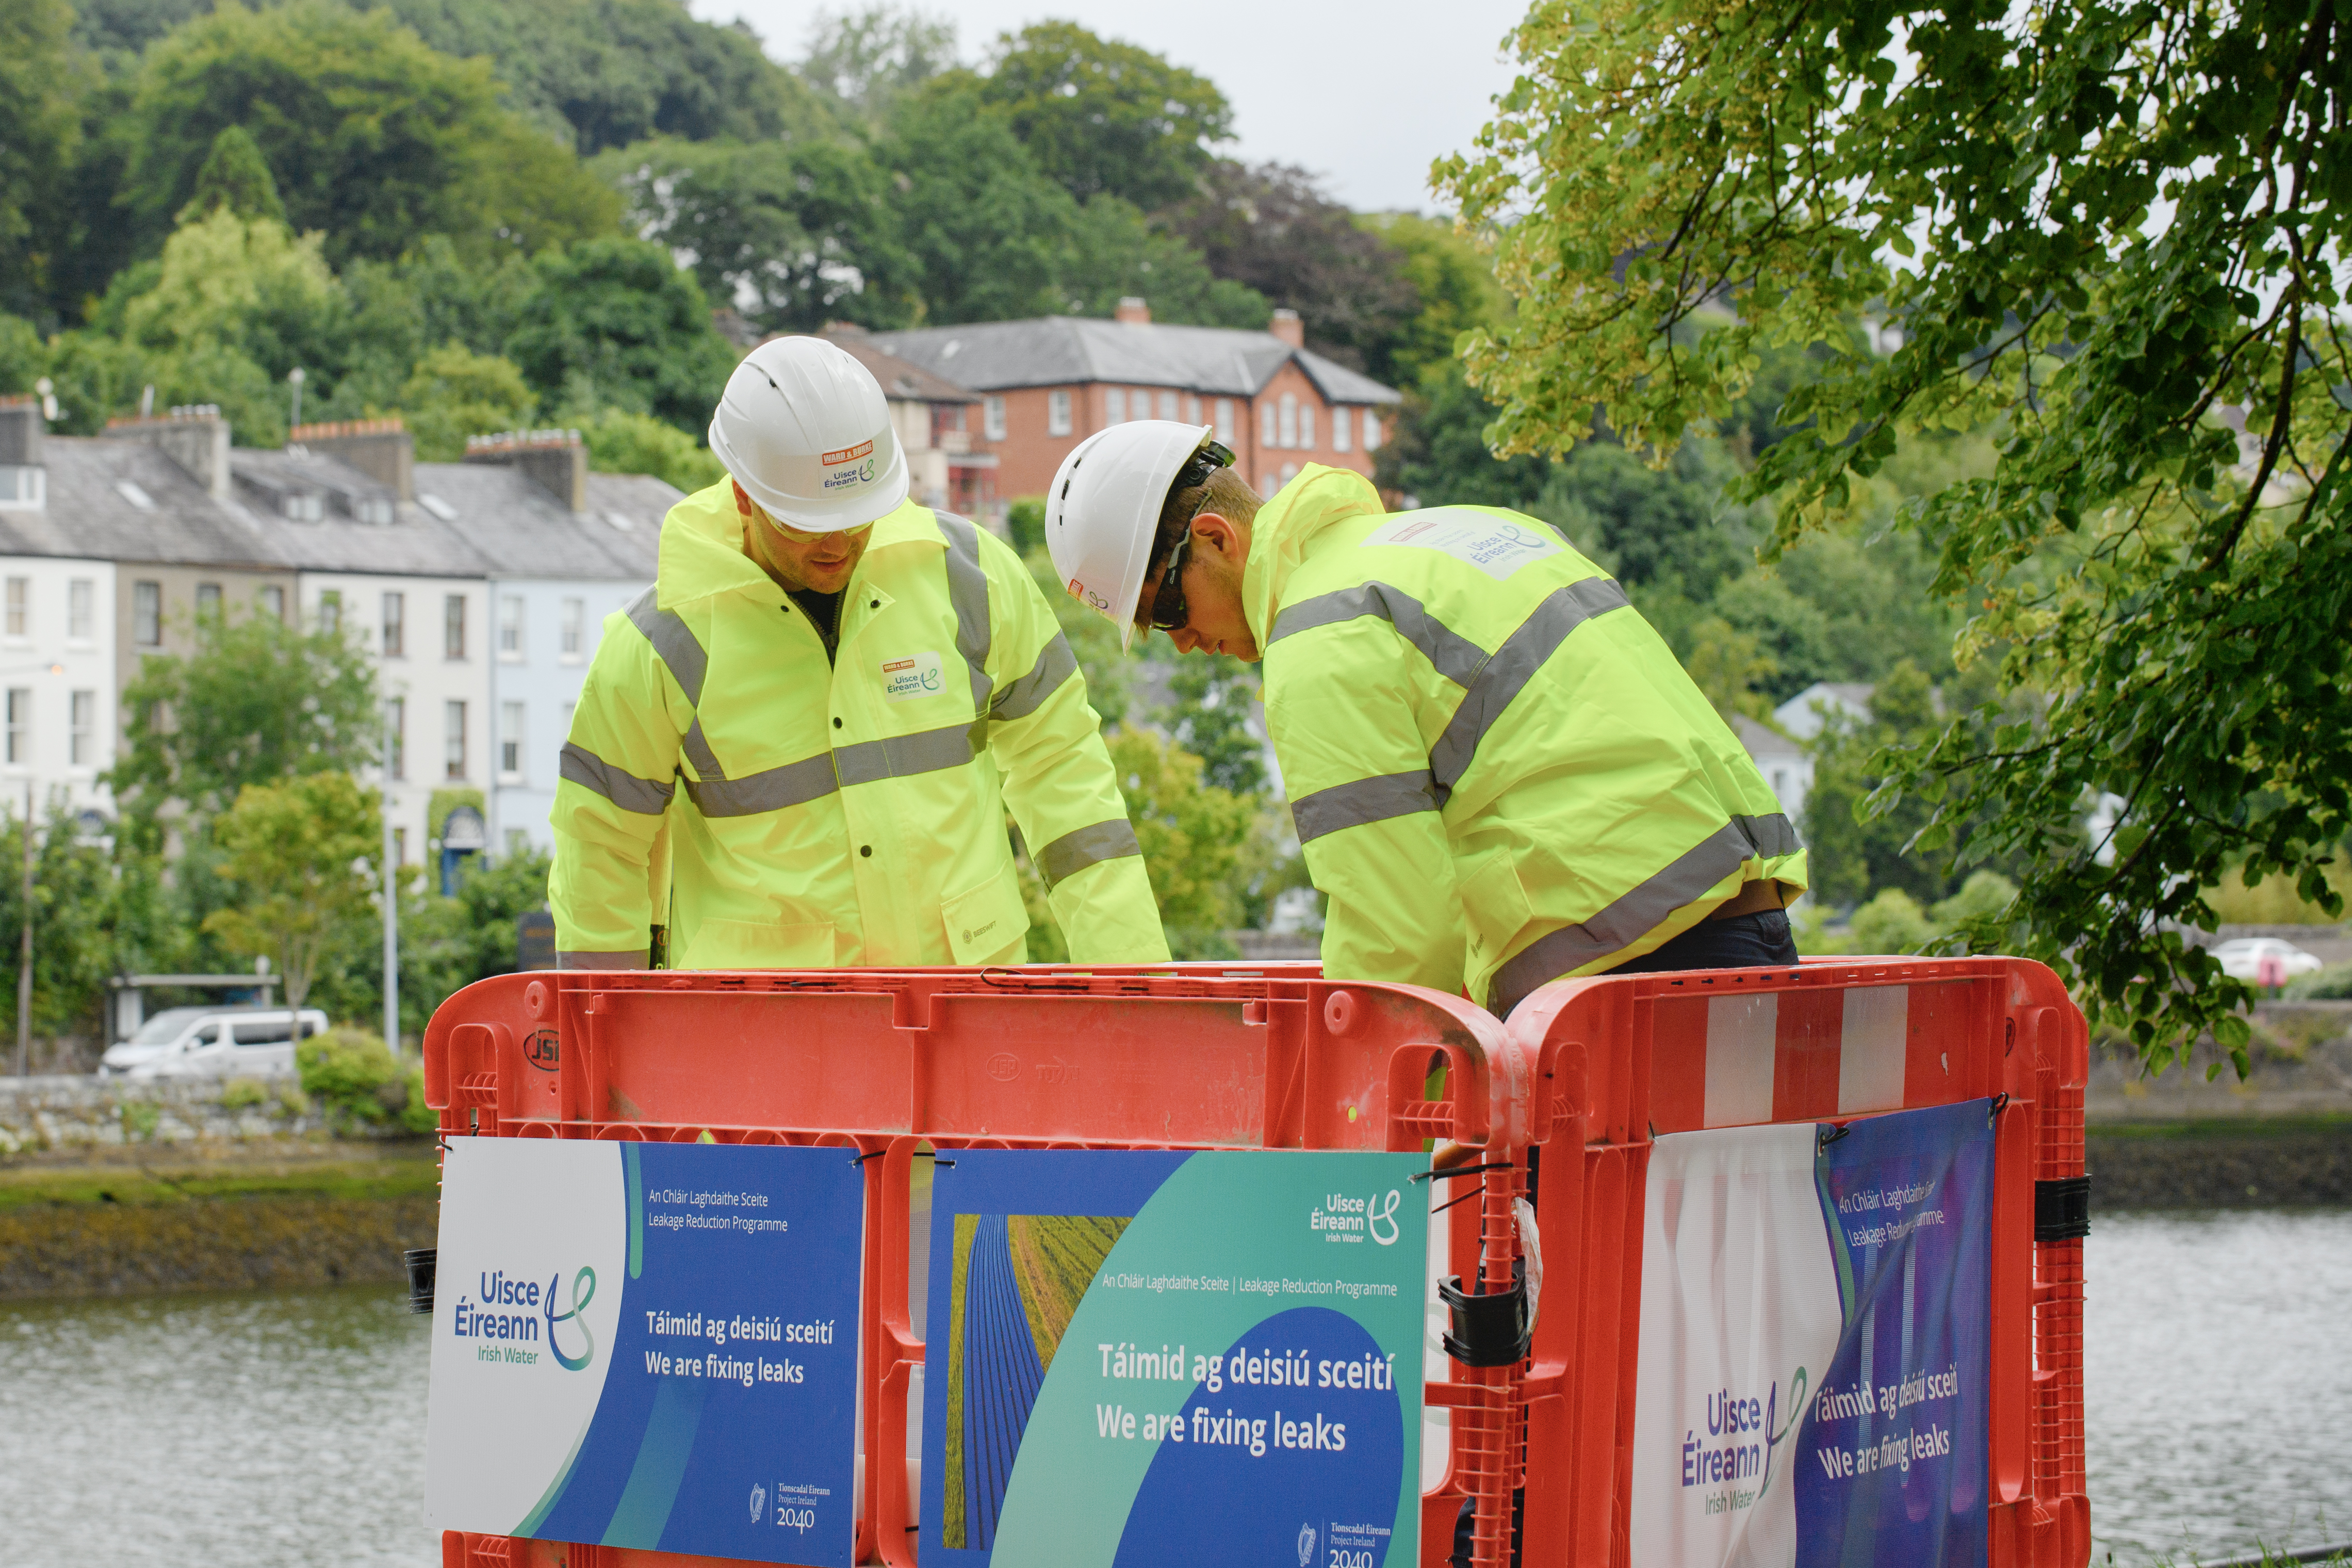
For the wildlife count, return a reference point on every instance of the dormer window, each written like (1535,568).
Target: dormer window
(22,488)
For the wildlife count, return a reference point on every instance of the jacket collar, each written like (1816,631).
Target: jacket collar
(702,547)
(1286,527)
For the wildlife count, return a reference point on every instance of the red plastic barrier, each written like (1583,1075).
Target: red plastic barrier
(1225,1057)
(1642,1055)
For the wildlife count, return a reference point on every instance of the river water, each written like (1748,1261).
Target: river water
(285,1431)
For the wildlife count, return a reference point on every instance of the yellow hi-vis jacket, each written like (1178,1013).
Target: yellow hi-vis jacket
(1498,771)
(793,814)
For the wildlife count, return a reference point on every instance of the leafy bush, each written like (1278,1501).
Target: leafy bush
(2333,983)
(1892,923)
(359,1081)
(239,1093)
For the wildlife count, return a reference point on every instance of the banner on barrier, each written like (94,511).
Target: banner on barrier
(647,1345)
(1815,1312)
(1142,1359)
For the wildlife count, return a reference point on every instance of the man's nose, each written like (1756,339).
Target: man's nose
(1186,639)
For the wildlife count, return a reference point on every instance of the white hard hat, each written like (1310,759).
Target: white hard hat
(1103,512)
(804,429)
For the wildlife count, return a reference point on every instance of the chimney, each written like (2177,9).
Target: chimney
(21,429)
(1286,326)
(383,450)
(555,459)
(1133,311)
(192,435)
(23,474)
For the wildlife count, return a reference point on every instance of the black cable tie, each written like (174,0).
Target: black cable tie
(2000,1104)
(937,1161)
(1451,1202)
(1832,1134)
(1447,1176)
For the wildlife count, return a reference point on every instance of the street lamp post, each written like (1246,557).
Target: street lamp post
(294,380)
(24,964)
(391,904)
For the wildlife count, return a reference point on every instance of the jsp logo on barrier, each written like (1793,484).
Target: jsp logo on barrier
(1345,1219)
(542,1050)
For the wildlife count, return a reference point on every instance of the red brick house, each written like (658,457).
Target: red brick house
(1048,384)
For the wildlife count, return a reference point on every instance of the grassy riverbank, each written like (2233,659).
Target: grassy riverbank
(141,1218)
(2239,1163)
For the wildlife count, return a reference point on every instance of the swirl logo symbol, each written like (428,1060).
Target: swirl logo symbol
(1381,1211)
(584,1290)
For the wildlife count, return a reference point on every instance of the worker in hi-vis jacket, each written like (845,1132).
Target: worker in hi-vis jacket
(1498,771)
(788,752)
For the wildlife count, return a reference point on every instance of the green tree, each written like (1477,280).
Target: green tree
(1851,852)
(2099,230)
(1112,251)
(865,61)
(77,910)
(1210,717)
(796,234)
(374,139)
(985,227)
(1274,228)
(1103,117)
(615,323)
(604,73)
(1454,281)
(257,703)
(235,176)
(455,393)
(624,442)
(1201,842)
(39,128)
(304,857)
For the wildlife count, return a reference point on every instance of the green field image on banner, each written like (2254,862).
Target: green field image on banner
(1016,1279)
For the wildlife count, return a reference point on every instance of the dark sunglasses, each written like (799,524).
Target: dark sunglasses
(1169,610)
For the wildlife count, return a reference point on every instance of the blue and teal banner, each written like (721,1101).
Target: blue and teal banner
(1813,1365)
(1151,1360)
(647,1345)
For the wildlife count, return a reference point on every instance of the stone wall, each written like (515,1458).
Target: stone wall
(60,1114)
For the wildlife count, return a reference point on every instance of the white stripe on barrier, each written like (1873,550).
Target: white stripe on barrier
(1739,1047)
(1871,1049)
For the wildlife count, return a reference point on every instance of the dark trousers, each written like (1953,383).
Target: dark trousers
(1760,941)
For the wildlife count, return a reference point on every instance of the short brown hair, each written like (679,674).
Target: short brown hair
(1225,492)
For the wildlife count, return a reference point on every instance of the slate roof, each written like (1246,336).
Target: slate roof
(1061,351)
(1762,740)
(499,522)
(90,516)
(900,378)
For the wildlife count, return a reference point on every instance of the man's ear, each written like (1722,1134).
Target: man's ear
(742,501)
(1215,530)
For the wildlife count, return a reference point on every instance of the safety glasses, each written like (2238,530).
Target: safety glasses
(1169,610)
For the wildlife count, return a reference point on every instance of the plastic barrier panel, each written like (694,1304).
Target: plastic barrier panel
(1833,1068)
(900,1068)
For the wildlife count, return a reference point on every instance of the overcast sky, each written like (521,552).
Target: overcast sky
(1365,92)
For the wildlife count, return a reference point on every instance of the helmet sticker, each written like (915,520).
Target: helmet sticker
(846,455)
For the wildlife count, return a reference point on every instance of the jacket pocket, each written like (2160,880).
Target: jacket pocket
(1494,908)
(987,922)
(758,944)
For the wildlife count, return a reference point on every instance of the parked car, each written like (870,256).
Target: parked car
(213,1042)
(2264,959)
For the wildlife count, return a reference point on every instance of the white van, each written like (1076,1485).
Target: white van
(213,1042)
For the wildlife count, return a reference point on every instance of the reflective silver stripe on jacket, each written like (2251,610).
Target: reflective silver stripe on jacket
(671,639)
(1453,656)
(1080,848)
(1642,910)
(647,797)
(900,756)
(580,958)
(1055,664)
(1503,677)
(772,789)
(1361,801)
(968,593)
(697,747)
